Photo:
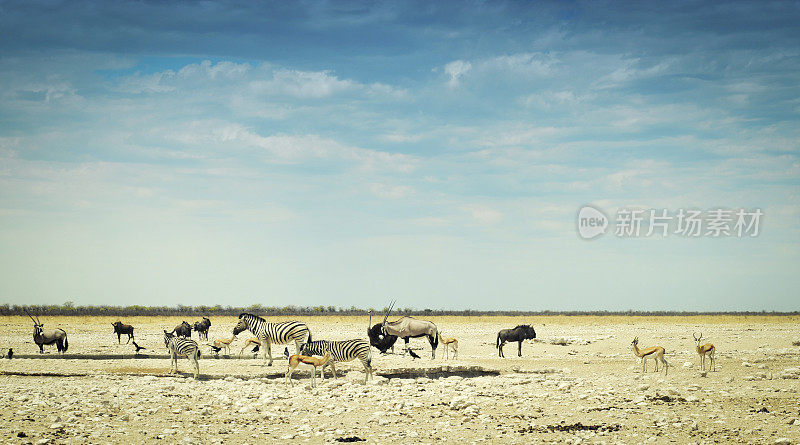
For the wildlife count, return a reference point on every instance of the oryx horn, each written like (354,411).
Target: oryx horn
(385,317)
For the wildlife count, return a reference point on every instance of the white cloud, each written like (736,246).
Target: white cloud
(456,70)
(387,191)
(483,214)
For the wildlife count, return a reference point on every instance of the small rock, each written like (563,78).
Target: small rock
(783,441)
(56,426)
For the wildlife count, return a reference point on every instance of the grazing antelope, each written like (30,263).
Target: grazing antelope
(296,359)
(224,343)
(449,343)
(705,350)
(183,330)
(656,352)
(250,341)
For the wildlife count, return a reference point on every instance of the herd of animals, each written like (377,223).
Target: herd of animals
(326,353)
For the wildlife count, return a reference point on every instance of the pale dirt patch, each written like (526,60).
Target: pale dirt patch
(587,387)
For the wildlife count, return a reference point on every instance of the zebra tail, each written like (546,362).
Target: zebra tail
(309,336)
(197,355)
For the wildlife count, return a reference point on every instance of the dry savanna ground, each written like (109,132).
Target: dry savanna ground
(578,382)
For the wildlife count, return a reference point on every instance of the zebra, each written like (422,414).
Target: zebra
(278,333)
(180,346)
(342,351)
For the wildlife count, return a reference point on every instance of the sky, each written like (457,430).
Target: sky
(349,153)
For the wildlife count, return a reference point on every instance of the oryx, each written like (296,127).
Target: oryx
(42,337)
(408,327)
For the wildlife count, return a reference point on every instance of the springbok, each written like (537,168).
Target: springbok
(449,343)
(656,352)
(705,350)
(296,359)
(224,343)
(250,342)
(409,327)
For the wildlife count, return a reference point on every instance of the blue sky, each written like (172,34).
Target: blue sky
(437,153)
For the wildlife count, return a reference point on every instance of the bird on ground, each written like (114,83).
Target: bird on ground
(413,354)
(138,348)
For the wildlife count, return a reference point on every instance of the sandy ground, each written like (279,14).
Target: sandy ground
(589,390)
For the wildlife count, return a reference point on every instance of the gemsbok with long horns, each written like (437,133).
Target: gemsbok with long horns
(707,349)
(48,337)
(407,328)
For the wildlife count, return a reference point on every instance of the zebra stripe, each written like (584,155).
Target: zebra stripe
(342,351)
(180,347)
(278,333)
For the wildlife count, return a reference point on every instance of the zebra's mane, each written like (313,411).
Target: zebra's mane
(243,314)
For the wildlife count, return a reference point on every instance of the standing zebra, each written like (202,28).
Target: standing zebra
(342,351)
(278,333)
(180,346)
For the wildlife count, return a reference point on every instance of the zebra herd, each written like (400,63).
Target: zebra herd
(281,334)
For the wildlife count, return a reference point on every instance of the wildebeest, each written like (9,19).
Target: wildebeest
(202,328)
(183,330)
(518,334)
(408,327)
(42,337)
(120,328)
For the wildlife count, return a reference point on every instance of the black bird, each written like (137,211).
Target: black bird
(10,353)
(255,351)
(138,348)
(413,354)
(216,350)
(285,351)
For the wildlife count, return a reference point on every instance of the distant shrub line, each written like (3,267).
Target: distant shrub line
(181,310)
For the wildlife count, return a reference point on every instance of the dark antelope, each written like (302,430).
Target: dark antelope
(518,334)
(120,328)
(183,330)
(48,337)
(201,327)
